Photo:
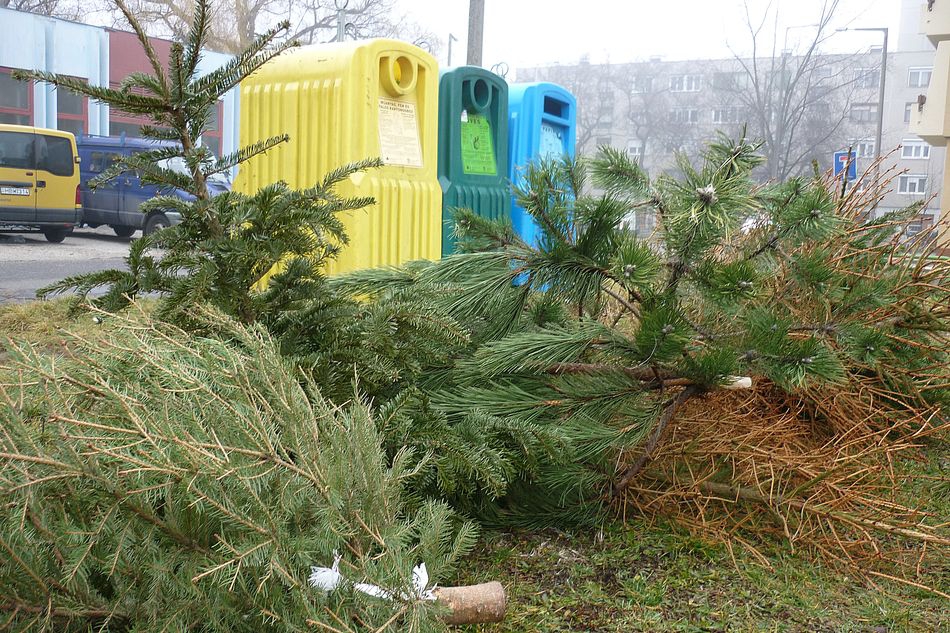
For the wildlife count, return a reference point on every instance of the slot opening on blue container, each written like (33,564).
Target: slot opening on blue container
(555,107)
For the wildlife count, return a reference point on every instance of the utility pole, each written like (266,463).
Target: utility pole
(476,28)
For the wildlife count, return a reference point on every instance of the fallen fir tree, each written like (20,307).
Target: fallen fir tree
(156,481)
(606,341)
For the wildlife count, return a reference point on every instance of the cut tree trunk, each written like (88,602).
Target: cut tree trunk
(473,604)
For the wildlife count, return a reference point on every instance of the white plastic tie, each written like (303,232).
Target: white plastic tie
(329,578)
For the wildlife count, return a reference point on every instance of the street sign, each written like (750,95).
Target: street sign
(842,160)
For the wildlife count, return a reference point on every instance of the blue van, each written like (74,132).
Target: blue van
(116,203)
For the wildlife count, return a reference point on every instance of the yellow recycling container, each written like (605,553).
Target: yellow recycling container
(346,102)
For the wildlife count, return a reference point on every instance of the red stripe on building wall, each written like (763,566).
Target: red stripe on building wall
(126,55)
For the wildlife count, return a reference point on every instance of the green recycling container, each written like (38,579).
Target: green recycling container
(473,146)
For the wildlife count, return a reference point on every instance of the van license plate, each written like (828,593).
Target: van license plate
(14,191)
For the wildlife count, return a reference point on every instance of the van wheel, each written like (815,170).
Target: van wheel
(55,235)
(154,223)
(123,231)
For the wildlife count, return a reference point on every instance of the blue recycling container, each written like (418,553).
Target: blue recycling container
(473,146)
(542,123)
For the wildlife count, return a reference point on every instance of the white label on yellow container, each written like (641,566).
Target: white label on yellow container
(399,133)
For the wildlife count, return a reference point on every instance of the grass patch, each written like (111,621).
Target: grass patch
(45,324)
(642,577)
(38,322)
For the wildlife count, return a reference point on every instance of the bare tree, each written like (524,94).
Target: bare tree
(595,87)
(798,103)
(56,8)
(630,101)
(660,122)
(235,23)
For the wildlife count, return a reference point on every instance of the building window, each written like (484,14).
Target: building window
(212,134)
(635,150)
(122,124)
(685,83)
(867,77)
(729,114)
(908,108)
(919,77)
(645,223)
(863,112)
(684,115)
(913,184)
(923,222)
(118,127)
(819,109)
(822,75)
(915,149)
(863,147)
(730,81)
(641,84)
(16,99)
(605,105)
(72,112)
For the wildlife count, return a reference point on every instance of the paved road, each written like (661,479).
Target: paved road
(28,262)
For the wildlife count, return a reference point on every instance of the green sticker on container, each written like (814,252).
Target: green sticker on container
(478,153)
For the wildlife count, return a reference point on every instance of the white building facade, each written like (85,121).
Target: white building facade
(99,56)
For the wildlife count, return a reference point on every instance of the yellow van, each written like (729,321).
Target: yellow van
(39,180)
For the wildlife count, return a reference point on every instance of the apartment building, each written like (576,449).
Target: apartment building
(805,108)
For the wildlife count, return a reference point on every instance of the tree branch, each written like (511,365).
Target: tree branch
(668,412)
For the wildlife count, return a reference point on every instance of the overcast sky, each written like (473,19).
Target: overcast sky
(535,32)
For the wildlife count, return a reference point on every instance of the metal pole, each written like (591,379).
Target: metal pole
(451,37)
(476,27)
(880,109)
(880,103)
(341,19)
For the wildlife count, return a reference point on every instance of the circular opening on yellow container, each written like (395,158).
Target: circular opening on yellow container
(481,94)
(398,75)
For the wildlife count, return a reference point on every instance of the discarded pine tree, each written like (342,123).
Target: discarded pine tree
(601,340)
